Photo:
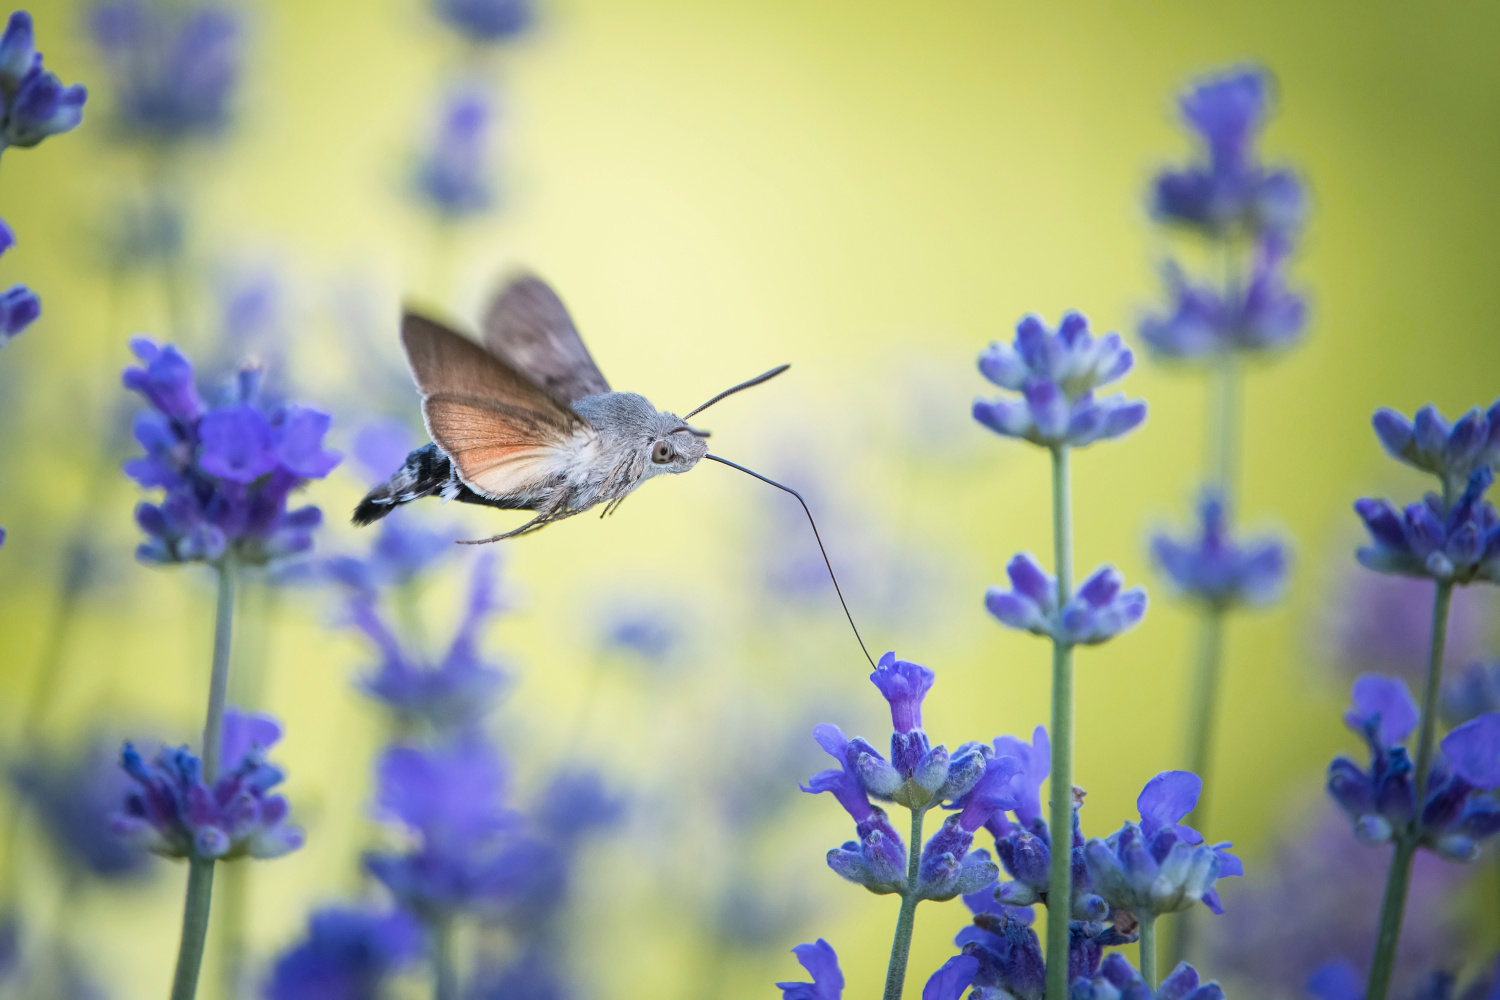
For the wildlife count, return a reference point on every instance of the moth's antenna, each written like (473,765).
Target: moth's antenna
(757,475)
(757,380)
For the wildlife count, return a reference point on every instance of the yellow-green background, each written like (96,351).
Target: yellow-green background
(871,191)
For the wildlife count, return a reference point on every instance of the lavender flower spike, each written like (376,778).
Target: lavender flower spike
(1456,542)
(877,860)
(1056,373)
(1096,613)
(454,176)
(1214,569)
(173,813)
(1450,452)
(822,964)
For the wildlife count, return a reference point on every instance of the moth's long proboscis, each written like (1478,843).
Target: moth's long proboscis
(757,380)
(749,472)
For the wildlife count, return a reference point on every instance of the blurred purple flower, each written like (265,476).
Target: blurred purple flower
(1205,322)
(1097,612)
(347,955)
(468,854)
(380,447)
(454,177)
(173,813)
(1381,800)
(174,67)
(33,102)
(1159,866)
(1213,568)
(1472,693)
(1056,373)
(1451,452)
(75,801)
(227,471)
(647,633)
(1232,191)
(823,965)
(454,694)
(1383,624)
(402,551)
(19,308)
(535,975)
(486,21)
(1456,542)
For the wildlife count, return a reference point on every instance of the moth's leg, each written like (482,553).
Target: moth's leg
(546,517)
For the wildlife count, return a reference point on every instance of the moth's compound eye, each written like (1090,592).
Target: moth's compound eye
(662,453)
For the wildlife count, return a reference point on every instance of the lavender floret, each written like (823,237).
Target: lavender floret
(1097,612)
(1456,542)
(1452,452)
(34,104)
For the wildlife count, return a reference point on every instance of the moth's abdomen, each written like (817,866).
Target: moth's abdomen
(426,471)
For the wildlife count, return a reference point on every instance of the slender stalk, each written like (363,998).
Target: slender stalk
(200,890)
(218,680)
(1393,905)
(1203,711)
(444,974)
(1224,416)
(200,884)
(895,973)
(1148,949)
(1060,818)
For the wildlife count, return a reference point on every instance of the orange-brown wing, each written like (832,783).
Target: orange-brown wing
(528,327)
(503,433)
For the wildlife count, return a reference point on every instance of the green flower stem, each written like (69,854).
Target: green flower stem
(200,890)
(895,973)
(1060,818)
(444,973)
(200,886)
(1393,905)
(1148,949)
(218,681)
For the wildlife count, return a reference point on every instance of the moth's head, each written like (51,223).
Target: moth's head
(675,447)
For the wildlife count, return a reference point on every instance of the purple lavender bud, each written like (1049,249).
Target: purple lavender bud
(174,69)
(1428,442)
(1100,610)
(173,813)
(19,308)
(1184,984)
(33,102)
(1031,604)
(950,981)
(964,771)
(486,22)
(347,953)
(1057,373)
(454,176)
(904,685)
(1214,569)
(823,965)
(995,792)
(1009,958)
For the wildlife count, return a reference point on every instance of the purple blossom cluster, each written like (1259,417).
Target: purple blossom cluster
(227,470)
(1452,452)
(446,697)
(486,22)
(1450,542)
(174,67)
(1096,613)
(19,305)
(1056,373)
(346,955)
(173,812)
(34,104)
(1456,812)
(1231,198)
(454,176)
(1217,570)
(74,800)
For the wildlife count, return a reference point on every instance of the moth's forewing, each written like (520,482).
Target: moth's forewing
(504,434)
(528,327)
